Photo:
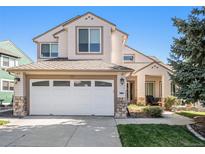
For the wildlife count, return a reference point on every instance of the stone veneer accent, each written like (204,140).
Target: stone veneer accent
(19,106)
(121,108)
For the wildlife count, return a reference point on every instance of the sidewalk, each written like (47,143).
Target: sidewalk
(169,118)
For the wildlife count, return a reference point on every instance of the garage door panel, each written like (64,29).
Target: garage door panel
(102,106)
(72,100)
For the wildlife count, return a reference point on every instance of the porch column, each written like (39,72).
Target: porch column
(20,107)
(121,102)
(141,89)
(166,87)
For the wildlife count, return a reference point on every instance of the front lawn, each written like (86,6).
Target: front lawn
(157,135)
(190,114)
(3,122)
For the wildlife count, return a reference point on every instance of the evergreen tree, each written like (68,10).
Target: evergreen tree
(187,56)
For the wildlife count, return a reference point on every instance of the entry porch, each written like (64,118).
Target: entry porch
(143,87)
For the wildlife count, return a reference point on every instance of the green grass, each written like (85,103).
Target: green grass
(190,114)
(3,122)
(157,135)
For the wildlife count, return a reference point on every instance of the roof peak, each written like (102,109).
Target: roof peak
(76,18)
(6,41)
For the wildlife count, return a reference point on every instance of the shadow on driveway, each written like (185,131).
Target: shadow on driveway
(60,131)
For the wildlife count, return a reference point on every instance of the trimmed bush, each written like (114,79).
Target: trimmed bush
(169,102)
(153,111)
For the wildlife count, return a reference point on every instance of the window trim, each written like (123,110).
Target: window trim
(160,89)
(129,60)
(102,81)
(154,87)
(61,86)
(173,89)
(49,51)
(82,81)
(10,58)
(3,56)
(77,39)
(49,84)
(9,85)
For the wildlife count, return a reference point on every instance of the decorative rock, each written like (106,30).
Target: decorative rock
(199,119)
(20,106)
(195,133)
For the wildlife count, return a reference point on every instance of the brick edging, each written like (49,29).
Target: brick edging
(194,132)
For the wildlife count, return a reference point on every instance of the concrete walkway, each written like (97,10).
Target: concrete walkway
(169,118)
(60,131)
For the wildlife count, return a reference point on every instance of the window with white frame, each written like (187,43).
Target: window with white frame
(9,61)
(49,50)
(5,61)
(89,40)
(128,58)
(150,88)
(7,85)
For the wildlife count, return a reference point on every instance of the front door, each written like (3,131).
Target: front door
(129,91)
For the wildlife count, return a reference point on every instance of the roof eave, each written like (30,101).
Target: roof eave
(35,70)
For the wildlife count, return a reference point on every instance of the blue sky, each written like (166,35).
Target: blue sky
(150,28)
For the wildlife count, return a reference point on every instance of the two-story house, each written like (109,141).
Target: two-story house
(10,56)
(84,67)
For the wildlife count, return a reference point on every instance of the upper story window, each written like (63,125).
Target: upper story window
(128,58)
(9,62)
(49,50)
(89,40)
(6,61)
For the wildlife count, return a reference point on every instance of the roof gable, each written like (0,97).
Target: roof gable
(60,27)
(12,48)
(8,53)
(156,63)
(140,57)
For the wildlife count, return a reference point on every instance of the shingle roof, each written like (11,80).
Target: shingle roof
(6,52)
(71,65)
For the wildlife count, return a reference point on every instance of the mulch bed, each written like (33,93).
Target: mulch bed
(199,128)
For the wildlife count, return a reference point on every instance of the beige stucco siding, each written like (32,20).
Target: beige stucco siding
(117,47)
(48,37)
(154,70)
(138,56)
(89,22)
(20,86)
(112,40)
(63,43)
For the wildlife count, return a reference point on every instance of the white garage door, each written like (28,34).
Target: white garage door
(71,97)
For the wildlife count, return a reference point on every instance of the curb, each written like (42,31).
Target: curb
(195,133)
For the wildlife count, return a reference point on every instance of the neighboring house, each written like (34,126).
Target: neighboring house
(84,67)
(10,56)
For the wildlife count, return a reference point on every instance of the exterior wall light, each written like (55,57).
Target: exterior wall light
(122,81)
(16,79)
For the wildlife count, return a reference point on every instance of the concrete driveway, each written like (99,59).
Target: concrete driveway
(60,131)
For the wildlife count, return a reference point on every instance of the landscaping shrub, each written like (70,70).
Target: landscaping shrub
(169,102)
(153,111)
(140,104)
(3,122)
